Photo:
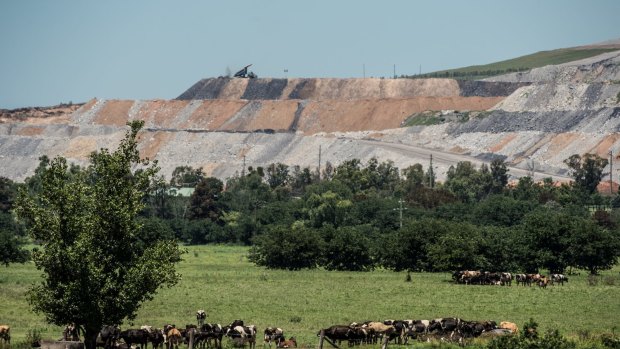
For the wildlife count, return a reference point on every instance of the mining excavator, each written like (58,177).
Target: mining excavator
(243,73)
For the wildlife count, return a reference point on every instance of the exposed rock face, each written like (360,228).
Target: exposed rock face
(537,118)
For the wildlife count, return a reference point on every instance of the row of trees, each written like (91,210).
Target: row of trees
(545,238)
(473,210)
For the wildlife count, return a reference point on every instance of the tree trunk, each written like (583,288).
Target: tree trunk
(90,337)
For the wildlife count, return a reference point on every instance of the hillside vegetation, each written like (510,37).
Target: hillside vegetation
(523,63)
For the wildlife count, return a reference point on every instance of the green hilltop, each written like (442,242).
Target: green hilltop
(523,63)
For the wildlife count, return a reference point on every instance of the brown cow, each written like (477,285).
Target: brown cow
(509,326)
(5,334)
(543,282)
(290,343)
(174,338)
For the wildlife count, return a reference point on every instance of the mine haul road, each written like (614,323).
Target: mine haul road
(447,159)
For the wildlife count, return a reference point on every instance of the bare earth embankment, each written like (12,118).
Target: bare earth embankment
(533,119)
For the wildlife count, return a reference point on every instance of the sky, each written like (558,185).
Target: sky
(64,51)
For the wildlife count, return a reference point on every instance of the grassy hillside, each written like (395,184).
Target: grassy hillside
(220,280)
(535,60)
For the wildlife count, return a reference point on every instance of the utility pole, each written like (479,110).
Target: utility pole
(364,70)
(394,71)
(611,171)
(243,169)
(319,162)
(400,209)
(431,174)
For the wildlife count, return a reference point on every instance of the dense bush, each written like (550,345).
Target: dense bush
(285,248)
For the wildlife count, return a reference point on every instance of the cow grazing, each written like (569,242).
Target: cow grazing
(543,282)
(172,336)
(521,279)
(559,278)
(400,330)
(273,334)
(5,334)
(358,335)
(109,334)
(506,279)
(213,332)
(156,337)
(289,343)
(511,326)
(471,276)
(246,334)
(137,336)
(201,315)
(336,333)
(533,279)
(445,326)
(380,330)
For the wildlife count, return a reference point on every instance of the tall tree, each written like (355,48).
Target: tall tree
(592,247)
(587,170)
(95,269)
(499,172)
(8,191)
(277,175)
(204,200)
(186,176)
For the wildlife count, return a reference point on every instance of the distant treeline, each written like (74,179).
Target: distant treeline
(358,216)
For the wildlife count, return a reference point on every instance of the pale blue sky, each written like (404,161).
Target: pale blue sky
(60,51)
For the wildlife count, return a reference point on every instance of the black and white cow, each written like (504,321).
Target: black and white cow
(273,335)
(243,334)
(201,315)
(138,336)
(559,278)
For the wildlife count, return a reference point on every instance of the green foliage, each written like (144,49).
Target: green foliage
(95,271)
(186,176)
(468,184)
(284,248)
(500,210)
(423,119)
(546,232)
(530,339)
(327,209)
(277,175)
(458,249)
(407,248)
(587,171)
(592,247)
(522,63)
(8,189)
(11,246)
(347,248)
(204,200)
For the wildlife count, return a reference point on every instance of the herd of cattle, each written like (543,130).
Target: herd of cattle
(209,335)
(477,277)
(400,331)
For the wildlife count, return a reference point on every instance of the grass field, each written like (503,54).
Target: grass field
(535,60)
(220,280)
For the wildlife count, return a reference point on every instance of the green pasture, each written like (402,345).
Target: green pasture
(220,280)
(534,60)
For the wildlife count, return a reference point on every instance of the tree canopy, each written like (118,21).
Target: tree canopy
(95,268)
